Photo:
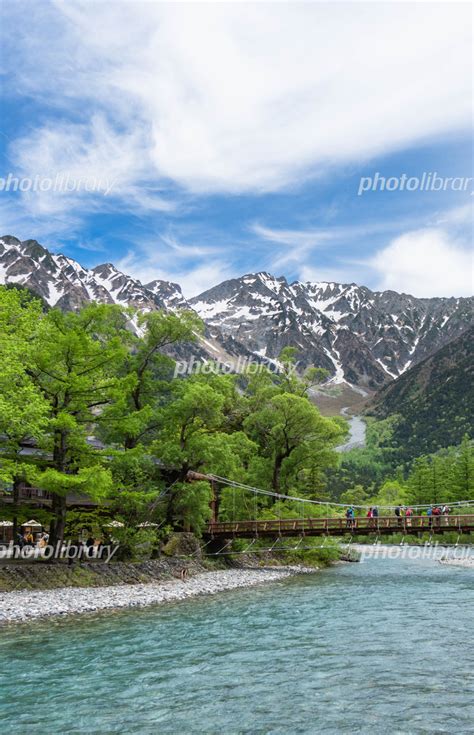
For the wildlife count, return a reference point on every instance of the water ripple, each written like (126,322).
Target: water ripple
(380,647)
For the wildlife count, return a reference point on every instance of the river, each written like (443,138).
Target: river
(357,431)
(384,646)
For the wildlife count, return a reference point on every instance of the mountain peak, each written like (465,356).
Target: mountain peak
(8,241)
(360,336)
(63,282)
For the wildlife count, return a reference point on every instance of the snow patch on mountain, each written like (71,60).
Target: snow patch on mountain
(363,338)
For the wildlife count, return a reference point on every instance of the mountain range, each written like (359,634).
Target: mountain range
(362,337)
(434,400)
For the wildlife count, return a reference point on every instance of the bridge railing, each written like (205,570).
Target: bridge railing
(345,525)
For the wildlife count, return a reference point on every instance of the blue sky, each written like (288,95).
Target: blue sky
(228,138)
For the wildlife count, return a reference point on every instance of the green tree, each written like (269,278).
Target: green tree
(295,438)
(23,408)
(74,364)
(135,413)
(392,493)
(355,496)
(193,437)
(290,381)
(137,486)
(462,477)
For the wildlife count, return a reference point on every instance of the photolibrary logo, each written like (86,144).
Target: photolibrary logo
(69,551)
(428,181)
(242,365)
(62,183)
(435,551)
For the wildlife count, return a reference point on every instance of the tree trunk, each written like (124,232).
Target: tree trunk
(16,499)
(214,502)
(176,477)
(130,442)
(276,472)
(58,524)
(58,504)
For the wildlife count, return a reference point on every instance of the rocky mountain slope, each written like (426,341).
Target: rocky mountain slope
(62,282)
(362,337)
(434,400)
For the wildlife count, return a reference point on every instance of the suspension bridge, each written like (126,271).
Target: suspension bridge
(385,524)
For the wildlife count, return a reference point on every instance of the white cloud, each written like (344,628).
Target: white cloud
(425,262)
(169,98)
(182,250)
(213,98)
(299,248)
(78,157)
(16,221)
(462,215)
(317,274)
(435,259)
(290,246)
(311,237)
(196,267)
(149,262)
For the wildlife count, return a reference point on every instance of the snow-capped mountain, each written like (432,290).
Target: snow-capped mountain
(359,335)
(62,282)
(362,337)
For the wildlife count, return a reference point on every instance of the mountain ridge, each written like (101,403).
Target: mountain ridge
(434,400)
(362,337)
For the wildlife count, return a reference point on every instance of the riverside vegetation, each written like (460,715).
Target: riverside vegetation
(94,391)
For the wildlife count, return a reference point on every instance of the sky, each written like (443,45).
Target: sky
(196,142)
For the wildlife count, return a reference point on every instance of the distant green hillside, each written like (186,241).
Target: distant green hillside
(434,400)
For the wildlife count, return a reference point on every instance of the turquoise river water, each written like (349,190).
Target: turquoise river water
(385,646)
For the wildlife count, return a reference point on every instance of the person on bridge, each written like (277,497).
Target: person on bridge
(399,514)
(408,515)
(429,513)
(350,518)
(437,514)
(445,511)
(370,516)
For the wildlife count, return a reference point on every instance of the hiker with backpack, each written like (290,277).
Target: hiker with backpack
(350,516)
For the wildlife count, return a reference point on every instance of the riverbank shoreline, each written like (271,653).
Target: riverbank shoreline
(26,605)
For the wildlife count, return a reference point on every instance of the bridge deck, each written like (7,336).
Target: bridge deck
(341,526)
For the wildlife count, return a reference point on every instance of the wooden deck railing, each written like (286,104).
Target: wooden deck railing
(340,526)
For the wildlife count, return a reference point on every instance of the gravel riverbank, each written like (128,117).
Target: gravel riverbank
(30,604)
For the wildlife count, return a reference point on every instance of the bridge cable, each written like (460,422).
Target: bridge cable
(282,496)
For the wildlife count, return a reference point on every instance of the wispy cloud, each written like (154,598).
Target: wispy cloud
(193,279)
(434,259)
(98,169)
(177,102)
(427,262)
(184,250)
(295,245)
(196,267)
(280,111)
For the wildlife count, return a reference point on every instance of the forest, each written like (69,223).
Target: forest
(93,395)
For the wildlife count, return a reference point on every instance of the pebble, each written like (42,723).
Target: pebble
(26,605)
